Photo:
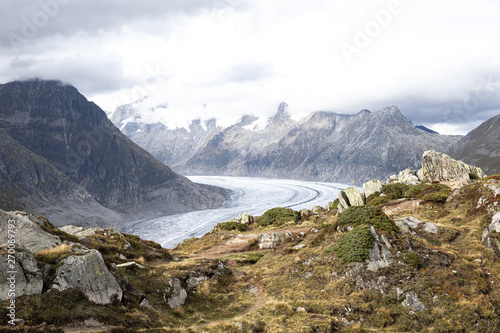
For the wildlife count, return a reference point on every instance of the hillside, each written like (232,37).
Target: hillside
(324,146)
(481,146)
(56,122)
(414,258)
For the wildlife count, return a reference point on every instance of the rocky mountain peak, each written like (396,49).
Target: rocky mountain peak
(282,116)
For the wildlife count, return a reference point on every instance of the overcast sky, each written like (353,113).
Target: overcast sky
(438,61)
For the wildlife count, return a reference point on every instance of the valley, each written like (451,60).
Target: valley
(252,195)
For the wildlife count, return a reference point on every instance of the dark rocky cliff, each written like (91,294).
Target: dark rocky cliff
(55,121)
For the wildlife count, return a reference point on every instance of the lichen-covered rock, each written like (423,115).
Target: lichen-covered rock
(270,241)
(412,302)
(371,187)
(28,233)
(28,278)
(438,167)
(495,223)
(379,256)
(343,202)
(407,176)
(246,218)
(89,274)
(177,296)
(305,214)
(355,197)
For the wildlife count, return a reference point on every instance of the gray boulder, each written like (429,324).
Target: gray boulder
(407,176)
(28,278)
(495,223)
(89,274)
(246,218)
(270,241)
(438,167)
(355,197)
(371,187)
(28,233)
(343,202)
(177,296)
(412,302)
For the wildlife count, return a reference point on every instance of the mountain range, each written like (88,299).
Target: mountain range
(325,146)
(62,156)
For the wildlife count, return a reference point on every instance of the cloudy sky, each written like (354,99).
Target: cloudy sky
(438,61)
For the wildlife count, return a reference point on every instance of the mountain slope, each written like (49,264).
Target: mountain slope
(56,122)
(30,182)
(325,146)
(481,146)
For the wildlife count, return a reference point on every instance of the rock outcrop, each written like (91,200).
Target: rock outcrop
(271,240)
(407,176)
(177,295)
(438,167)
(28,233)
(371,187)
(28,279)
(350,197)
(89,274)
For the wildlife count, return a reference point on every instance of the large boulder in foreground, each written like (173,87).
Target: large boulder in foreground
(28,233)
(437,167)
(89,274)
(27,279)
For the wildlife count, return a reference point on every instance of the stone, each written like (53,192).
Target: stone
(145,303)
(485,234)
(371,187)
(430,228)
(130,264)
(252,289)
(407,176)
(89,274)
(178,296)
(194,281)
(80,232)
(28,278)
(379,256)
(407,223)
(399,293)
(308,275)
(270,241)
(246,218)
(412,302)
(305,214)
(343,202)
(355,197)
(495,223)
(28,233)
(298,246)
(300,309)
(437,167)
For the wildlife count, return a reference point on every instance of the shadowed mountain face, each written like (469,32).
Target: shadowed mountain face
(324,146)
(481,147)
(56,122)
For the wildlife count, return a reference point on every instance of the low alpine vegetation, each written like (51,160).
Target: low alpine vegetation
(355,245)
(277,216)
(368,215)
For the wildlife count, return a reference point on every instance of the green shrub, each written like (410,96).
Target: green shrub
(375,199)
(430,192)
(233,226)
(395,190)
(355,245)
(412,259)
(277,216)
(368,215)
(335,204)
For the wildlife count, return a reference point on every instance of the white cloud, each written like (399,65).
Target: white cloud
(226,58)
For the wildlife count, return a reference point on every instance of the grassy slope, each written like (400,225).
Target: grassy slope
(453,273)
